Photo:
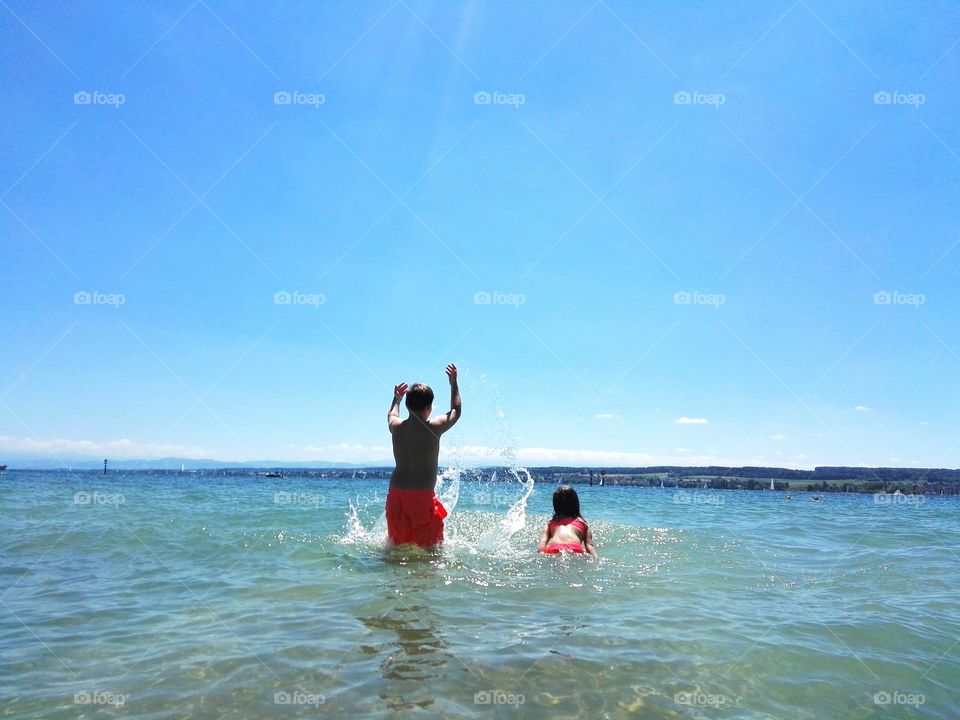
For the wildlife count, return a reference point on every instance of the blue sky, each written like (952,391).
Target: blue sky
(708,233)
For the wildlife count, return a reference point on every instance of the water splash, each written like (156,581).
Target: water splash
(464,530)
(448,488)
(356,532)
(498,537)
(366,519)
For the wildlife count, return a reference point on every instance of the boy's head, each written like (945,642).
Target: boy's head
(566,502)
(420,399)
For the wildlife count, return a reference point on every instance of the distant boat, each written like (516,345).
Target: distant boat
(181,468)
(771,484)
(273,474)
(3,468)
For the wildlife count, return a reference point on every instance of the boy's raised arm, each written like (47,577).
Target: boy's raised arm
(447,421)
(393,415)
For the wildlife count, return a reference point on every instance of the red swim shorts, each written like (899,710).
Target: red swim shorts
(414,517)
(556,548)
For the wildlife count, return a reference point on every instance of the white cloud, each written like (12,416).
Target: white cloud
(605,416)
(450,454)
(342,452)
(118,449)
(778,437)
(559,456)
(691,421)
(862,408)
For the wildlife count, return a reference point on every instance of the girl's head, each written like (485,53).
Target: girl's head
(566,503)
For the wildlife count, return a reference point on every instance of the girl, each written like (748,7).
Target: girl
(568,530)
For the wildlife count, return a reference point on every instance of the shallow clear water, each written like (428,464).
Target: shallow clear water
(241,597)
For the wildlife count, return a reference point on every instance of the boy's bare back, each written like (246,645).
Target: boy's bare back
(416,448)
(416,440)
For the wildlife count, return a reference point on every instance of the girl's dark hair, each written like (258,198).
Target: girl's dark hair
(566,503)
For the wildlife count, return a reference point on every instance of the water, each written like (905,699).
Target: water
(216,597)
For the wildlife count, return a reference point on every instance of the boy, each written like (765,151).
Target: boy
(414,513)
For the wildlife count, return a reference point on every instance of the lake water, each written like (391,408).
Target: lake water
(165,596)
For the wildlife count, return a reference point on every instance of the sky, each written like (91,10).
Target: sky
(671,233)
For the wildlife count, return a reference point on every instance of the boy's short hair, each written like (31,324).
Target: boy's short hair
(419,397)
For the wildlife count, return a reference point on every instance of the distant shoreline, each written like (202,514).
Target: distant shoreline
(827,479)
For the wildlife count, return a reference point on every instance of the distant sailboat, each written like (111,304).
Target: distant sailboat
(771,484)
(181,468)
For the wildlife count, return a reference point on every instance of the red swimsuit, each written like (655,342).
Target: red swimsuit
(553,548)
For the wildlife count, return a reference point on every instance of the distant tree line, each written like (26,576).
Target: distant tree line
(939,481)
(819,474)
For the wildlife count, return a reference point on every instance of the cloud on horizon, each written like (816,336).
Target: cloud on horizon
(120,449)
(462,455)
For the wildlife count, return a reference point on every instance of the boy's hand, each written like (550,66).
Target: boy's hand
(452,373)
(399,390)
